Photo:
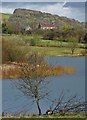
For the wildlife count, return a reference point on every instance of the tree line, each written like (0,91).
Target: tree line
(65,33)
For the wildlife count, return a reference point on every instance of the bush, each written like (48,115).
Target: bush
(33,42)
(11,52)
(84,52)
(49,35)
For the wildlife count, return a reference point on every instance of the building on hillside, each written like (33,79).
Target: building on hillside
(47,26)
(28,28)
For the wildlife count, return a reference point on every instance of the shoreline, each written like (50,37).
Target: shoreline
(69,55)
(13,66)
(14,70)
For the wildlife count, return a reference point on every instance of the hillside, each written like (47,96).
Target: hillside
(4,16)
(32,18)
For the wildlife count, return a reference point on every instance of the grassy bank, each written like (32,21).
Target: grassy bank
(55,51)
(31,43)
(18,48)
(44,117)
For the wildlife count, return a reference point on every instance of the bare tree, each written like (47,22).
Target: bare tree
(32,84)
(73,104)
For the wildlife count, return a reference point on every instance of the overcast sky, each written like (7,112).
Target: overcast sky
(43,0)
(72,10)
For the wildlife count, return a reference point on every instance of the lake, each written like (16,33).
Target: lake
(13,101)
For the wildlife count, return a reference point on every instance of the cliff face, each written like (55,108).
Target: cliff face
(32,18)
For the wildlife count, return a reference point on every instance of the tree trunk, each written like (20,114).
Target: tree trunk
(39,110)
(72,51)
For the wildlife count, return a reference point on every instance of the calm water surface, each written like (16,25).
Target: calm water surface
(15,102)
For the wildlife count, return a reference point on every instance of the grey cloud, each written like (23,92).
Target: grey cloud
(54,8)
(43,0)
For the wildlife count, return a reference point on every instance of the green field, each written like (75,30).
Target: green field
(4,16)
(44,117)
(34,43)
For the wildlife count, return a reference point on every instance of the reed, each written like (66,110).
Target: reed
(16,71)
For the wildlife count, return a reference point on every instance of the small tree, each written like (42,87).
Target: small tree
(4,28)
(65,27)
(85,38)
(31,83)
(73,44)
(49,35)
(33,42)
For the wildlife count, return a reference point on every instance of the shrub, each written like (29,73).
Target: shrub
(12,52)
(49,35)
(33,42)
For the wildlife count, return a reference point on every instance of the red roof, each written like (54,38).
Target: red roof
(48,25)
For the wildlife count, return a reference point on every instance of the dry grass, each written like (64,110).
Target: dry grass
(13,71)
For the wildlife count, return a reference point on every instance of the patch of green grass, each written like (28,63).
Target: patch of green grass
(67,116)
(40,41)
(44,117)
(44,47)
(4,16)
(54,51)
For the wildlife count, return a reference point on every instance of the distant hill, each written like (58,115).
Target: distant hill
(32,18)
